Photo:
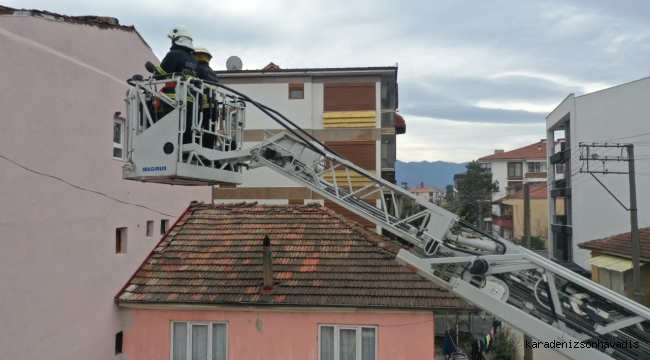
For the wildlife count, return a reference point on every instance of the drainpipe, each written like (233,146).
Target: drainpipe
(267,267)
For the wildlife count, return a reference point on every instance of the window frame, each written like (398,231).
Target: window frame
(537,166)
(295,87)
(122,138)
(188,337)
(521,170)
(487,168)
(359,339)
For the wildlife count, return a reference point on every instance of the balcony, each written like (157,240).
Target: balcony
(536,175)
(503,221)
(560,219)
(560,156)
(561,192)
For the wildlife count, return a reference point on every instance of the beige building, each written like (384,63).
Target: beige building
(511,218)
(351,110)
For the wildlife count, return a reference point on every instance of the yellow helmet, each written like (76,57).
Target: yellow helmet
(202,50)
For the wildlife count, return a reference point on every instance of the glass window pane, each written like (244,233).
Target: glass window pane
(531,167)
(367,344)
(199,342)
(296,94)
(179,342)
(117,132)
(542,167)
(326,343)
(219,346)
(347,344)
(117,153)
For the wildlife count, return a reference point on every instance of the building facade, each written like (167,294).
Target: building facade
(227,282)
(511,169)
(580,208)
(351,110)
(435,196)
(68,250)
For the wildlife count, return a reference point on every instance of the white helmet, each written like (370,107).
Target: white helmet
(179,31)
(202,50)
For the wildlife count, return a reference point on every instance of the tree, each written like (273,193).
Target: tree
(450,198)
(477,186)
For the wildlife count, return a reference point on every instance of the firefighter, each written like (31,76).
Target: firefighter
(179,60)
(203,57)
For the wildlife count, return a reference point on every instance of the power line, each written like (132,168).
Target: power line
(84,189)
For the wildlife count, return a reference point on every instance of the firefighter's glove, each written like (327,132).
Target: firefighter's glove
(150,67)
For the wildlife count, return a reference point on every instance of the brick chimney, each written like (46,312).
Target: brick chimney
(422,184)
(267,267)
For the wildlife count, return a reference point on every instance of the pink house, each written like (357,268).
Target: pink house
(66,251)
(322,287)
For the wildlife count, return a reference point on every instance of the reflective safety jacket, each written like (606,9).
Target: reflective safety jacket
(178,60)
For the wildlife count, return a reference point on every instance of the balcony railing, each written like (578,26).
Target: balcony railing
(503,221)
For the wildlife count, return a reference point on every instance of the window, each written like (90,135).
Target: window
(164,225)
(118,342)
(120,241)
(118,139)
(487,168)
(537,167)
(514,170)
(559,168)
(194,341)
(296,91)
(149,228)
(340,342)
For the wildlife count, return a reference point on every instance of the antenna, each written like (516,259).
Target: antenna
(233,63)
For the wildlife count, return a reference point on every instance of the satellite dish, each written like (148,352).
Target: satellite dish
(233,63)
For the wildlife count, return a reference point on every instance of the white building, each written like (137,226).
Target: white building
(580,209)
(66,252)
(510,169)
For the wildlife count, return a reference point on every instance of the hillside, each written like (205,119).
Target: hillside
(436,174)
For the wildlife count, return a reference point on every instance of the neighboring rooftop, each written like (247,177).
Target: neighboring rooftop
(213,255)
(426,190)
(275,70)
(532,151)
(621,245)
(536,192)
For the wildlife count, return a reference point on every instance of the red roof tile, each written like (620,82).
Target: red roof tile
(621,244)
(533,151)
(214,255)
(537,192)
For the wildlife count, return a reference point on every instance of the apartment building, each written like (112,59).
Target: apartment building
(435,196)
(511,169)
(351,110)
(580,208)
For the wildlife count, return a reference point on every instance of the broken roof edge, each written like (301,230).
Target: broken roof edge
(235,306)
(101,22)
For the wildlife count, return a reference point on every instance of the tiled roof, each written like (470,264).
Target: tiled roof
(533,151)
(621,244)
(425,189)
(537,192)
(213,255)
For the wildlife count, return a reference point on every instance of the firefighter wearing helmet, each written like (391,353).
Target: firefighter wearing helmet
(179,60)
(203,56)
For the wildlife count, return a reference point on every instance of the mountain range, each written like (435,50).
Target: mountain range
(437,174)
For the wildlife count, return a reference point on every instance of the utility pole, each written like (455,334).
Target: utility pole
(528,351)
(636,271)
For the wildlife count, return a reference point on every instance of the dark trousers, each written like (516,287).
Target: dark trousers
(208,139)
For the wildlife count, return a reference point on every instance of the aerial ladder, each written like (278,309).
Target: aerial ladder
(553,305)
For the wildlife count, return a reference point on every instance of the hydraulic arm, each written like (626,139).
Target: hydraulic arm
(533,294)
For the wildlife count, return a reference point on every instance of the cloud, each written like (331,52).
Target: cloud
(484,73)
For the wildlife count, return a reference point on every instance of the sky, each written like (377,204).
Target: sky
(473,76)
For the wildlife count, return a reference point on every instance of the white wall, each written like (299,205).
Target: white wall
(61,86)
(614,113)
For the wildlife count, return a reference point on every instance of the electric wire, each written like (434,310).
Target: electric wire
(84,189)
